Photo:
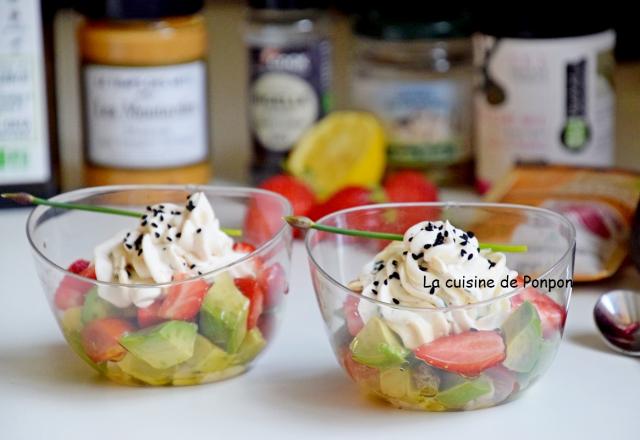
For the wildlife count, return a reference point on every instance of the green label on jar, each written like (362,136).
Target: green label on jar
(427,122)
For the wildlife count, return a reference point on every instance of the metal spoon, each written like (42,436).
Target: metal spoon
(617,316)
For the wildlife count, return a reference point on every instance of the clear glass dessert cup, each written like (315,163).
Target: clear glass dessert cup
(465,368)
(162,344)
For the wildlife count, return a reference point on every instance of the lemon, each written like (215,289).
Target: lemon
(345,148)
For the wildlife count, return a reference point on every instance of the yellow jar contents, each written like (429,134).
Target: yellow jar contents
(144,97)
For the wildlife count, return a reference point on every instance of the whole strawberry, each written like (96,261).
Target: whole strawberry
(411,187)
(296,191)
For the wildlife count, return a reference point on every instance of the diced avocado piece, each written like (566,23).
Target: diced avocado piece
(72,325)
(251,347)
(396,383)
(97,308)
(136,367)
(464,392)
(206,358)
(376,345)
(223,316)
(164,345)
(523,337)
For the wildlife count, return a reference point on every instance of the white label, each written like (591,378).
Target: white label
(282,107)
(146,117)
(24,138)
(543,100)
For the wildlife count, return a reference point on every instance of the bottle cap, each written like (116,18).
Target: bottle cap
(137,9)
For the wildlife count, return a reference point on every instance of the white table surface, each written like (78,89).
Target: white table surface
(296,390)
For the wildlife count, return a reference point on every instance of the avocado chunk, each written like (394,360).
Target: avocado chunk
(395,382)
(97,308)
(523,337)
(251,347)
(207,358)
(223,316)
(133,366)
(376,345)
(464,392)
(163,345)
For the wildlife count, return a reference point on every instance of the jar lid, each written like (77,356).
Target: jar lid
(288,4)
(137,9)
(539,21)
(411,21)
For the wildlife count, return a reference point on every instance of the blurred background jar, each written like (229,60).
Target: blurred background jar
(412,67)
(144,87)
(289,55)
(544,89)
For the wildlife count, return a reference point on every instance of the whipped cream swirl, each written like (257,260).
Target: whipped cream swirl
(170,239)
(414,273)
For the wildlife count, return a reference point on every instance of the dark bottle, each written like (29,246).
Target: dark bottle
(28,134)
(289,77)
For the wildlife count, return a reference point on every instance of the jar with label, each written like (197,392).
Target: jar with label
(289,77)
(544,91)
(144,84)
(412,68)
(28,135)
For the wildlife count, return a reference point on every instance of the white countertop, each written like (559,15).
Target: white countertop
(297,389)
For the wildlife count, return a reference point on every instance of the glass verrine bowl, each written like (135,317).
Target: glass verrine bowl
(484,353)
(198,329)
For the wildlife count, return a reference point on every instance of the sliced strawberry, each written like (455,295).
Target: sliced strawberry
(273,281)
(551,313)
(252,290)
(149,316)
(71,291)
(352,315)
(243,248)
(467,353)
(183,300)
(100,339)
(78,266)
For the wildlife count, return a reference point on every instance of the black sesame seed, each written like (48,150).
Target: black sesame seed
(199,230)
(395,275)
(374,291)
(405,253)
(470,257)
(161,206)
(179,234)
(417,256)
(144,223)
(424,269)
(471,234)
(464,243)
(462,252)
(199,273)
(188,196)
(169,238)
(427,246)
(439,239)
(157,234)
(478,249)
(446,233)
(128,273)
(410,239)
(155,225)
(138,241)
(144,216)
(139,252)
(191,206)
(375,283)
(161,218)
(440,227)
(491,264)
(148,208)
(395,263)
(464,236)
(129,246)
(396,301)
(385,282)
(428,228)
(193,266)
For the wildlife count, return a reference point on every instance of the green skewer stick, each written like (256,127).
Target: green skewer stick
(29,199)
(304,223)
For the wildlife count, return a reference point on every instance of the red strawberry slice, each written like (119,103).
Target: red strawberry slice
(183,300)
(79,266)
(252,290)
(262,220)
(468,353)
(243,247)
(71,291)
(273,281)
(100,339)
(149,316)
(551,313)
(352,315)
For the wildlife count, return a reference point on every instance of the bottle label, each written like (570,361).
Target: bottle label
(427,122)
(288,92)
(146,117)
(543,101)
(24,136)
